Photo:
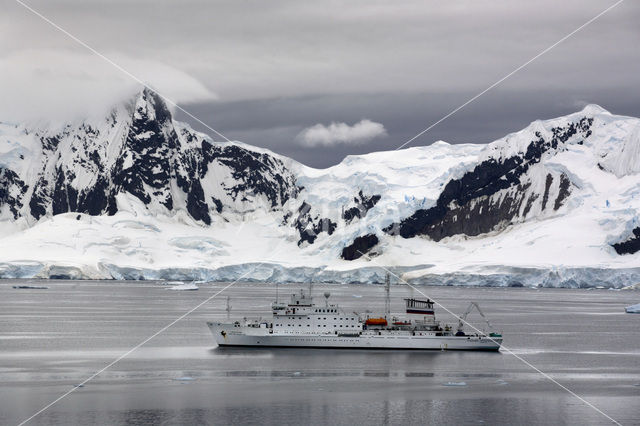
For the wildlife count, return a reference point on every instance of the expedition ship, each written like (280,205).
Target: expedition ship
(302,323)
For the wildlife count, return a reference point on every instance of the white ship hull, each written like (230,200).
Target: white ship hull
(229,334)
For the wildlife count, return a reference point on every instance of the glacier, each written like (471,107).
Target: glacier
(137,195)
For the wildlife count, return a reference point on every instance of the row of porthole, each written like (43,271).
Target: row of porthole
(309,325)
(335,319)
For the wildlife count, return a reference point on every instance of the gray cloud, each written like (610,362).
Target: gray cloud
(62,85)
(282,66)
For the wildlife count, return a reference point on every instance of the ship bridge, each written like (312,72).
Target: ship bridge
(302,316)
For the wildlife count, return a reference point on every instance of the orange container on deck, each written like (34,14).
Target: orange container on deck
(376,321)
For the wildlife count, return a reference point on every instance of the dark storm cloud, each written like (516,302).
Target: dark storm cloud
(281,66)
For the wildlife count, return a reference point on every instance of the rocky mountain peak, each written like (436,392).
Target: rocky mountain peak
(140,153)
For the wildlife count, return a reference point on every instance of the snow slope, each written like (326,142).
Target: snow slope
(138,195)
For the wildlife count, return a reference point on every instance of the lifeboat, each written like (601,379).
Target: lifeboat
(376,321)
(402,323)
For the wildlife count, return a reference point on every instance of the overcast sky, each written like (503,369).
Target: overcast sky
(320,80)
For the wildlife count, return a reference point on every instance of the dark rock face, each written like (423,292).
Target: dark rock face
(12,190)
(97,199)
(471,206)
(253,173)
(363,204)
(360,246)
(565,184)
(40,198)
(196,205)
(142,152)
(144,163)
(547,185)
(309,226)
(630,246)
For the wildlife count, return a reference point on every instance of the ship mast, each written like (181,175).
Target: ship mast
(387,296)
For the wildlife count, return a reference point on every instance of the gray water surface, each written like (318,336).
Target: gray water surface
(53,339)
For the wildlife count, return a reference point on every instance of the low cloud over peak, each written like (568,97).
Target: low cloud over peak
(341,133)
(64,85)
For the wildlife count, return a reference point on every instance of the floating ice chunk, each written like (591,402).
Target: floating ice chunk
(455,384)
(184,379)
(184,287)
(32,287)
(631,287)
(633,309)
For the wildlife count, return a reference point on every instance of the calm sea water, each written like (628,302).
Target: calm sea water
(53,339)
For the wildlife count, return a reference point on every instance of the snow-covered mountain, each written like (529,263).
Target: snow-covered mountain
(137,154)
(138,195)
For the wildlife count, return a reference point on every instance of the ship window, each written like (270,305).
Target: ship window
(325,325)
